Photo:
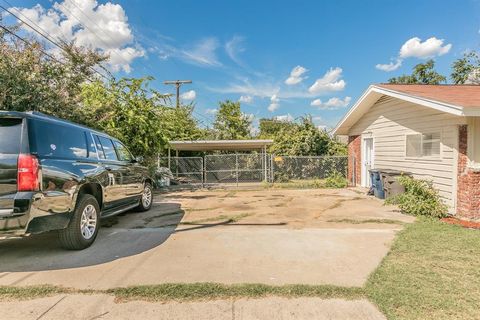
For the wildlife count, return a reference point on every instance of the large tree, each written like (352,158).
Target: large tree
(423,73)
(299,138)
(466,69)
(231,123)
(33,79)
(129,110)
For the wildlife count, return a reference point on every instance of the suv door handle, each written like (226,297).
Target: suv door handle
(108,168)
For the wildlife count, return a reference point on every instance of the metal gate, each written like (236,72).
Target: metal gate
(236,168)
(187,170)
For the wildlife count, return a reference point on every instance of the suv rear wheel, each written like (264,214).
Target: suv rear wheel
(147,198)
(83,227)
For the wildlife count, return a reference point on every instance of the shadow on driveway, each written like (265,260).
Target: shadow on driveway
(118,238)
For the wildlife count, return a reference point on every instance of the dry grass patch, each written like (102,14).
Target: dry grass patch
(431,272)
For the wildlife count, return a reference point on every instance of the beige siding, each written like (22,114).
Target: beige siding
(390,119)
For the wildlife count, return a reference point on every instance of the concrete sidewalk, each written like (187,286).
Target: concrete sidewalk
(104,307)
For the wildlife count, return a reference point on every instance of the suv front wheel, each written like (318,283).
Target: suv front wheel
(83,227)
(147,198)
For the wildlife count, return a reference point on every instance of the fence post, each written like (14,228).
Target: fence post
(272,169)
(203,172)
(169,156)
(236,167)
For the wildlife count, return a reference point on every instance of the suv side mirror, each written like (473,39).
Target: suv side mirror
(138,159)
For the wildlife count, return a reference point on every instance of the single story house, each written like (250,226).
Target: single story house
(431,131)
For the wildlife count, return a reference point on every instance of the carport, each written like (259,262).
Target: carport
(249,161)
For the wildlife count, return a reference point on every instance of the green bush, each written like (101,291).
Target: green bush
(419,199)
(336,180)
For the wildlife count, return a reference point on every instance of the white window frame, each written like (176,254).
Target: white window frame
(421,156)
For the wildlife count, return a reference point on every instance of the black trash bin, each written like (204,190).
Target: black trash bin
(377,185)
(391,185)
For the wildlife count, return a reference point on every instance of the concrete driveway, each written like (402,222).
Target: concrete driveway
(274,237)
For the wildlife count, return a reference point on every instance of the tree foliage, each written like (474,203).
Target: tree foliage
(301,138)
(31,80)
(138,115)
(423,73)
(231,123)
(466,69)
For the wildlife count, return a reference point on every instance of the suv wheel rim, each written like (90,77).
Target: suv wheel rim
(147,197)
(88,223)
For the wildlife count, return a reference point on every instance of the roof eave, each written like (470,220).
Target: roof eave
(371,95)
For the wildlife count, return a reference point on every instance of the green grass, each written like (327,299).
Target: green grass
(30,292)
(354,221)
(208,291)
(296,184)
(190,292)
(431,272)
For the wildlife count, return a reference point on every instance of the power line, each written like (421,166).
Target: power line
(28,43)
(45,36)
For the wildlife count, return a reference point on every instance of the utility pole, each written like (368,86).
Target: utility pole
(178,84)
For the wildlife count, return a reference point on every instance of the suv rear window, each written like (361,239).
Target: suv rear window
(55,140)
(10,135)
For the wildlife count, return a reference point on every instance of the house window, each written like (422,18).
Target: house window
(423,145)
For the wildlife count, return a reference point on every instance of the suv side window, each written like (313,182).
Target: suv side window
(122,152)
(56,140)
(108,148)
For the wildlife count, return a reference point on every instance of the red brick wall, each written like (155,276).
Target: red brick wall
(354,144)
(468,181)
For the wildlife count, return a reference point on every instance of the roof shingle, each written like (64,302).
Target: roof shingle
(460,95)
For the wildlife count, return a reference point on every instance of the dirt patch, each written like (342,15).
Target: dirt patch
(304,208)
(463,223)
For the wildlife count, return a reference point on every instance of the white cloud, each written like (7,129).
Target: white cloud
(431,47)
(274,103)
(329,82)
(286,118)
(234,47)
(189,95)
(211,111)
(203,53)
(392,66)
(332,103)
(102,27)
(246,99)
(296,75)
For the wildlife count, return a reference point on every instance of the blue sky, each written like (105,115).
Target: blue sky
(249,48)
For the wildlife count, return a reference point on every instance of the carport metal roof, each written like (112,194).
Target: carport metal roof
(215,145)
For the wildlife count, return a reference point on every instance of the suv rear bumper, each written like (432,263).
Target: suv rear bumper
(33,213)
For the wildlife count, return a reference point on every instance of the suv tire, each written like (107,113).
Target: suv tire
(146,200)
(84,224)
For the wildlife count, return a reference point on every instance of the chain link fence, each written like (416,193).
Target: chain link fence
(186,170)
(287,168)
(253,167)
(235,168)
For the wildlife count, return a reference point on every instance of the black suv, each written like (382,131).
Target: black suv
(57,175)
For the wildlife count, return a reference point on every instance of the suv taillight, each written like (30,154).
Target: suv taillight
(28,173)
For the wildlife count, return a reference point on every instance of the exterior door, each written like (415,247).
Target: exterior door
(367,161)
